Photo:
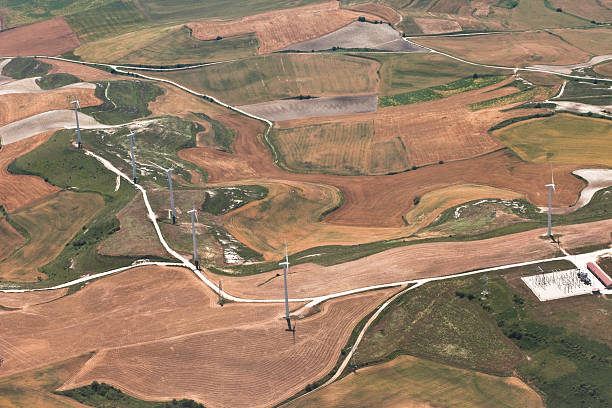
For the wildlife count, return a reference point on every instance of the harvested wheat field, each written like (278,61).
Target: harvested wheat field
(598,10)
(17,191)
(159,335)
(377,9)
(11,239)
(408,262)
(50,37)
(25,299)
(250,366)
(515,49)
(604,69)
(295,210)
(17,106)
(51,223)
(280,28)
(410,382)
(84,72)
(396,138)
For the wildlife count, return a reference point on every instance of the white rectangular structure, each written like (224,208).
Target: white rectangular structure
(560,284)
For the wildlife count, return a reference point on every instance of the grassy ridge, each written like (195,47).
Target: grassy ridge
(222,200)
(221,135)
(127,100)
(25,67)
(62,165)
(54,81)
(439,91)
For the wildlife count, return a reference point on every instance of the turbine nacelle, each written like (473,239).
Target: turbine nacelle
(193,213)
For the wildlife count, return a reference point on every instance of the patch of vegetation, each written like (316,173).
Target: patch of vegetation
(25,67)
(123,101)
(156,146)
(438,322)
(222,136)
(234,251)
(102,395)
(221,200)
(58,80)
(108,20)
(588,92)
(526,94)
(440,91)
(58,162)
(509,4)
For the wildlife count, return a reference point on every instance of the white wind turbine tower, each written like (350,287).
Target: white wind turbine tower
(194,216)
(169,172)
(285,266)
(131,136)
(77,105)
(551,189)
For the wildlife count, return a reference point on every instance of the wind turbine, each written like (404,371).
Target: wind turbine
(131,136)
(551,189)
(77,105)
(194,216)
(285,266)
(169,171)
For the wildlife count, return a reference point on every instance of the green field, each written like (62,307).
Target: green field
(54,81)
(21,12)
(411,72)
(123,101)
(62,165)
(591,93)
(109,20)
(414,382)
(440,91)
(25,67)
(166,46)
(281,76)
(451,322)
(221,200)
(561,138)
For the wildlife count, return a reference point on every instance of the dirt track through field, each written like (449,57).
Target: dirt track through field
(160,335)
(359,35)
(23,300)
(286,109)
(17,191)
(49,37)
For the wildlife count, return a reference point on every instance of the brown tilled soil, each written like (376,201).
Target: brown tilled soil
(17,106)
(416,262)
(11,239)
(24,300)
(17,191)
(280,28)
(50,37)
(84,72)
(377,9)
(160,335)
(513,49)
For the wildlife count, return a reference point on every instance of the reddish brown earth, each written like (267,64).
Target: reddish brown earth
(11,239)
(159,335)
(24,300)
(17,191)
(84,72)
(50,37)
(280,28)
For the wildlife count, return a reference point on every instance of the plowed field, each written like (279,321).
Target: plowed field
(22,300)
(50,37)
(160,335)
(11,239)
(17,191)
(280,28)
(377,9)
(84,72)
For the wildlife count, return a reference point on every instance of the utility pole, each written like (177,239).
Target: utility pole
(550,187)
(194,216)
(131,135)
(171,196)
(76,115)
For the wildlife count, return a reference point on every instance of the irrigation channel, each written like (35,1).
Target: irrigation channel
(579,260)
